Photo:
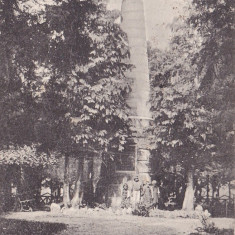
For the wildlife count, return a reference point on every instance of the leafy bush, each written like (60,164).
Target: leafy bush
(209,227)
(141,210)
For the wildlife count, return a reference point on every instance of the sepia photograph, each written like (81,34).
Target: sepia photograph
(117,117)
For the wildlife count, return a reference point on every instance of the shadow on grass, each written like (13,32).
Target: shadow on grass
(11,226)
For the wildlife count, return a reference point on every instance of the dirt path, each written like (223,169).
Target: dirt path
(117,225)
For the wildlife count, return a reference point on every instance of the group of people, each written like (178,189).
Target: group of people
(138,192)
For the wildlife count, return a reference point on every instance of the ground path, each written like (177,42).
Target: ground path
(100,224)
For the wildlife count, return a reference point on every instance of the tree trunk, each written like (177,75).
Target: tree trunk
(66,197)
(78,194)
(207,187)
(22,186)
(2,196)
(19,188)
(78,191)
(38,185)
(87,183)
(97,163)
(189,193)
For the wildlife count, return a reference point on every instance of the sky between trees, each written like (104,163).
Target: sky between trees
(159,15)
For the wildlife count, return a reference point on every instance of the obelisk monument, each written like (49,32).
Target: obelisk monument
(133,24)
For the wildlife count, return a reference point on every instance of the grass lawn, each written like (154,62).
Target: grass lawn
(83,227)
(62,224)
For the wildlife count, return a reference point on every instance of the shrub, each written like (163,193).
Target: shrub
(141,210)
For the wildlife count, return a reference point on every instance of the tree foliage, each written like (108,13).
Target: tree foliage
(83,100)
(25,156)
(193,92)
(63,82)
(18,51)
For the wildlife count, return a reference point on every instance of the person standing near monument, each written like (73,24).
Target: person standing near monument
(124,203)
(146,195)
(136,189)
(155,193)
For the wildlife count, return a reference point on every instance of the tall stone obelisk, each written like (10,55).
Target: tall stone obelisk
(133,24)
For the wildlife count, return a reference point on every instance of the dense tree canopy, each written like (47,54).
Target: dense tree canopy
(193,92)
(63,76)
(85,92)
(18,51)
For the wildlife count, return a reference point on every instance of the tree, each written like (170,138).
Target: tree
(83,100)
(21,43)
(178,121)
(215,25)
(63,84)
(189,90)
